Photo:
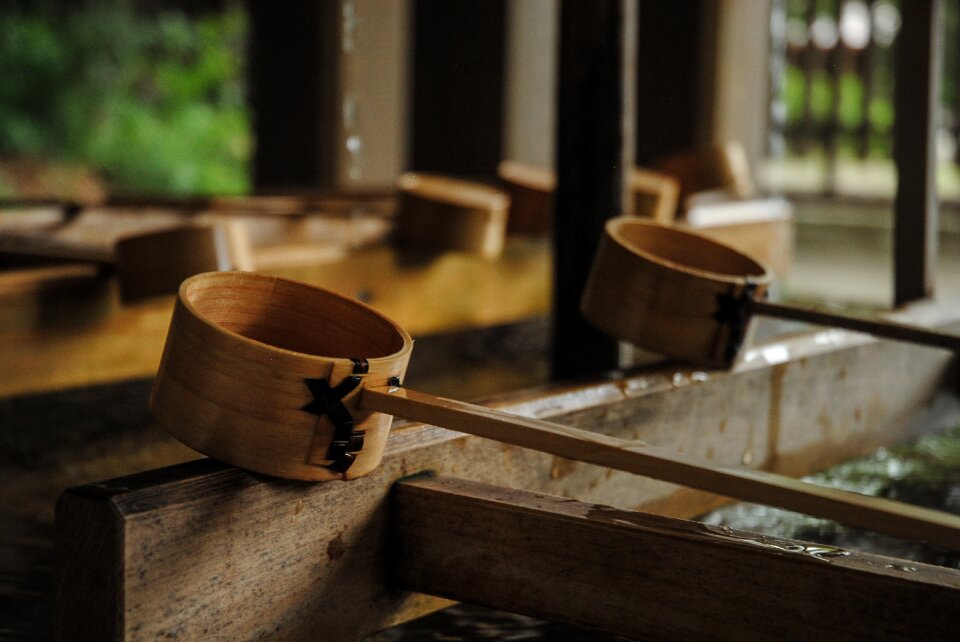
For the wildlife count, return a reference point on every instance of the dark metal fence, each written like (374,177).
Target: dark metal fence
(835,92)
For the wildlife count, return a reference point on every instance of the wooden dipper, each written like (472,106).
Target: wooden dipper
(437,213)
(531,188)
(241,372)
(291,380)
(155,263)
(691,298)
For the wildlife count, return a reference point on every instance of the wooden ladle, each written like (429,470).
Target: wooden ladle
(291,380)
(691,298)
(152,263)
(433,214)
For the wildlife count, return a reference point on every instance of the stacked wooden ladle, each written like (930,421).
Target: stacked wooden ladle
(430,214)
(291,380)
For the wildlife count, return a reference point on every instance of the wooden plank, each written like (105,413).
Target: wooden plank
(654,578)
(594,122)
(206,546)
(916,103)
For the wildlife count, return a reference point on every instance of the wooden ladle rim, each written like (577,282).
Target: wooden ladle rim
(453,191)
(184,297)
(614,226)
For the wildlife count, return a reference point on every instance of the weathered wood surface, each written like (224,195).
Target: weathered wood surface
(654,578)
(65,327)
(209,547)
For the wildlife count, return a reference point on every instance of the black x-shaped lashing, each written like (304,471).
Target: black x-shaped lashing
(328,401)
(734,310)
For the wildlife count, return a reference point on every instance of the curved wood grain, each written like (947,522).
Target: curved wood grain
(232,380)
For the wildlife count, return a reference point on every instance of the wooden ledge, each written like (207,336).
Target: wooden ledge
(653,578)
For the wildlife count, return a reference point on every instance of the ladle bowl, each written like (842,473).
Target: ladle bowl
(240,375)
(691,298)
(671,291)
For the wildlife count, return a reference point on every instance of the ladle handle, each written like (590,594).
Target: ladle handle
(885,329)
(873,513)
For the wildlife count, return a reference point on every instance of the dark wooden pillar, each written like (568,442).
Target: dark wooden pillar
(916,82)
(293,88)
(672,86)
(458,61)
(594,150)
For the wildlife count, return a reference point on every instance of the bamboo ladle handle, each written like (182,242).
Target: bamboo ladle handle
(886,329)
(863,511)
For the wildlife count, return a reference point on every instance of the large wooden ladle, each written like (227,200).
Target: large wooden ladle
(287,379)
(691,298)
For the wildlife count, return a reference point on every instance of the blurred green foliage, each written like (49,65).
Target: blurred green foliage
(814,103)
(153,100)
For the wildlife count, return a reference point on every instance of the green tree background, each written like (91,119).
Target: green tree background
(152,99)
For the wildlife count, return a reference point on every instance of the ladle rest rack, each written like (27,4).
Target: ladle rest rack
(79,334)
(180,549)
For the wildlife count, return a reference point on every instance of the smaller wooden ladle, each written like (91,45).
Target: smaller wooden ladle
(151,263)
(434,214)
(287,379)
(691,298)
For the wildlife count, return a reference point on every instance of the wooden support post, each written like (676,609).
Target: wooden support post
(594,150)
(291,72)
(90,594)
(674,87)
(459,49)
(654,578)
(916,95)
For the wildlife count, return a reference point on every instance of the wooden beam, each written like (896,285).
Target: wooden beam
(594,150)
(206,546)
(328,92)
(916,103)
(654,578)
